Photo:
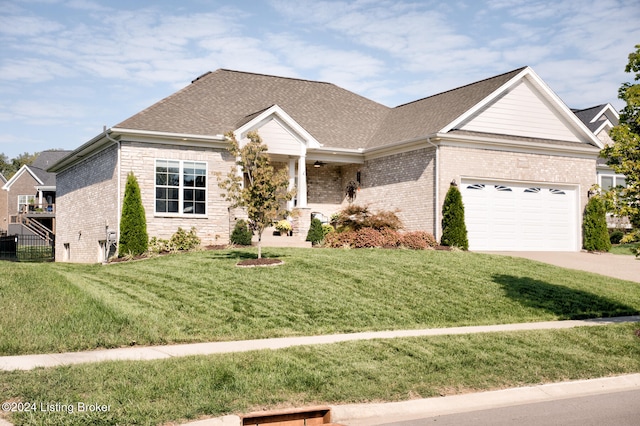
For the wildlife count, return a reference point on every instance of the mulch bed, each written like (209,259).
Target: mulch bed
(263,261)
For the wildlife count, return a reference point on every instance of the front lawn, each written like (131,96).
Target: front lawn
(202,296)
(159,392)
(624,248)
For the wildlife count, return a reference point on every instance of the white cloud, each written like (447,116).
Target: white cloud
(12,25)
(34,70)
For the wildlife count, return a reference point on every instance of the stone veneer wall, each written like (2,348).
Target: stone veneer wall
(86,206)
(140,158)
(458,163)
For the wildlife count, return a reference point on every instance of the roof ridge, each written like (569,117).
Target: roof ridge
(263,75)
(517,70)
(588,108)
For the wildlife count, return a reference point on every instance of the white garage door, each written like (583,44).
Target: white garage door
(520,217)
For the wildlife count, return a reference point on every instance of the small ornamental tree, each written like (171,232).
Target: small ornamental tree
(454,230)
(264,192)
(624,155)
(594,226)
(133,223)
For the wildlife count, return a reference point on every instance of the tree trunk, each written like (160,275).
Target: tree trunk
(259,244)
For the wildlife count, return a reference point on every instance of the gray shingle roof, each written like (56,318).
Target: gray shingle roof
(224,100)
(429,115)
(216,102)
(48,158)
(588,114)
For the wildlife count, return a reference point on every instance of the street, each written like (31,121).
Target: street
(616,408)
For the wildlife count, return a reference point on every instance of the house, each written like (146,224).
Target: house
(30,198)
(522,159)
(600,120)
(4,217)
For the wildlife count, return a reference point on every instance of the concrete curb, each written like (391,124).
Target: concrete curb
(28,362)
(383,413)
(378,414)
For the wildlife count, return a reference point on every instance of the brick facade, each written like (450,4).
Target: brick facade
(458,163)
(4,214)
(140,159)
(87,207)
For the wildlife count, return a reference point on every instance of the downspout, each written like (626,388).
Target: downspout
(436,211)
(119,186)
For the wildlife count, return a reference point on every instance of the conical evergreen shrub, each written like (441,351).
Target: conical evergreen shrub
(241,234)
(315,234)
(595,236)
(134,239)
(454,230)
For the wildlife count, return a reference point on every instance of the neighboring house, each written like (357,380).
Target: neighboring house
(600,120)
(523,161)
(31,197)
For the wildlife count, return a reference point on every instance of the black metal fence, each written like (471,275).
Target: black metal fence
(27,248)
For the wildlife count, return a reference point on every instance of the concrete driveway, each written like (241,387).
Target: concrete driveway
(612,265)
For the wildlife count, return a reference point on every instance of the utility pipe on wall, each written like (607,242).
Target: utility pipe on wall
(436,211)
(117,142)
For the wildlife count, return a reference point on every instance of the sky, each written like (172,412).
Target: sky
(70,67)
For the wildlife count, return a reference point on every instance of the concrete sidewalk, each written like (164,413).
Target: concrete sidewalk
(28,362)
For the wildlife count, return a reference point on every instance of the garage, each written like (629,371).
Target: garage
(516,216)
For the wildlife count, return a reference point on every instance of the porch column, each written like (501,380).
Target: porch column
(302,182)
(292,181)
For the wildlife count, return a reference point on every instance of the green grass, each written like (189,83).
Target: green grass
(157,392)
(624,248)
(203,297)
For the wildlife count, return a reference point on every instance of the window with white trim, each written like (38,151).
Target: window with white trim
(181,187)
(24,201)
(608,181)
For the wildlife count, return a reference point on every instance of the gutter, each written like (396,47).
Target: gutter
(436,174)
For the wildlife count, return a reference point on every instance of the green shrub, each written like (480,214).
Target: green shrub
(616,236)
(594,226)
(454,230)
(134,239)
(183,240)
(241,234)
(315,234)
(158,245)
(326,229)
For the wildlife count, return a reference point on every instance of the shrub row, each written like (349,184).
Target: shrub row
(355,217)
(180,241)
(385,238)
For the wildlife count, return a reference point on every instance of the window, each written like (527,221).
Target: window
(181,187)
(502,188)
(25,200)
(532,190)
(609,181)
(557,191)
(476,186)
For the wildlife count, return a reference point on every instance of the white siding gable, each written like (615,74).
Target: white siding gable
(280,138)
(521,111)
